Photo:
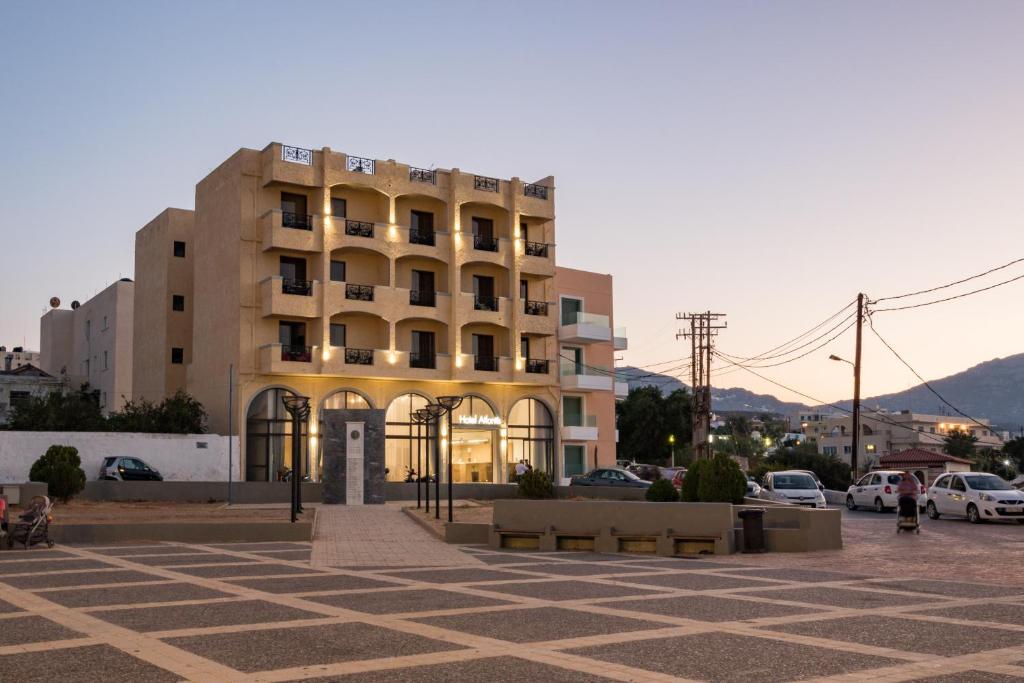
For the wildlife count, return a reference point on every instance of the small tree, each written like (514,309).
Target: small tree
(960,443)
(536,485)
(721,481)
(661,491)
(60,467)
(691,482)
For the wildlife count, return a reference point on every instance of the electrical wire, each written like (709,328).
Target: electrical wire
(948,298)
(951,284)
(790,360)
(792,341)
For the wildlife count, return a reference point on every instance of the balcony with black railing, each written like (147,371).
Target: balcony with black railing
(485,243)
(358,356)
(535,307)
(485,303)
(418,359)
(360,165)
(297,287)
(296,353)
(422,297)
(298,221)
(422,175)
(538,366)
(358,228)
(481,182)
(422,237)
(359,292)
(485,363)
(535,191)
(536,249)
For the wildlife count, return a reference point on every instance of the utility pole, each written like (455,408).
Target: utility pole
(854,455)
(703,329)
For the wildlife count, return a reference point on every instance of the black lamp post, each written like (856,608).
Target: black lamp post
(450,403)
(435,411)
(422,417)
(298,408)
(414,416)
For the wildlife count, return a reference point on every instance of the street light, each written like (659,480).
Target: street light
(298,408)
(416,420)
(450,403)
(672,444)
(434,413)
(855,439)
(422,417)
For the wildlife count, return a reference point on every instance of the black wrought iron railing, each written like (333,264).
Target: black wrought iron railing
(422,175)
(297,354)
(300,221)
(299,287)
(358,228)
(422,360)
(422,297)
(360,165)
(485,363)
(537,366)
(537,191)
(535,307)
(359,292)
(481,182)
(417,236)
(536,249)
(359,356)
(485,303)
(485,243)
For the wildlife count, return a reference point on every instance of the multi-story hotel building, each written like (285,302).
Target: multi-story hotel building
(372,284)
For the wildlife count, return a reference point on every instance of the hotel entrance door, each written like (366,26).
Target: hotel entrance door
(472,456)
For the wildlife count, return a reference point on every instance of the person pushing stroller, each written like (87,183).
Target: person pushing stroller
(906,503)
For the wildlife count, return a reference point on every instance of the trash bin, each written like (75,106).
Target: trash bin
(753,530)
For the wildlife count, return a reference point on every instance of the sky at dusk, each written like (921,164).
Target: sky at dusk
(765,160)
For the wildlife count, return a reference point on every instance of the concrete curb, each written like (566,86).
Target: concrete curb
(414,516)
(188,532)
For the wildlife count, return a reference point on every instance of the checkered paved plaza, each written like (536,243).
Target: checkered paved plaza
(281,612)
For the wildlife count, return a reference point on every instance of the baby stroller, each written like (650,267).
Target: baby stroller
(908,516)
(33,525)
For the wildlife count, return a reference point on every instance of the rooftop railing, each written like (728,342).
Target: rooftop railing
(536,191)
(484,183)
(360,165)
(423,175)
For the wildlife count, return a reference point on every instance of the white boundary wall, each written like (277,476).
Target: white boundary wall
(178,457)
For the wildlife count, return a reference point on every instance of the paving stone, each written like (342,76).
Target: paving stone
(34,554)
(258,569)
(8,608)
(971,677)
(565,590)
(584,556)
(470,575)
(286,554)
(93,664)
(26,566)
(307,584)
(707,608)
(486,669)
(728,658)
(692,581)
(176,560)
(1001,613)
(508,559)
(538,624)
(905,634)
(83,579)
(134,551)
(581,569)
(260,547)
(802,575)
(677,564)
(838,597)
(33,629)
(952,589)
(307,645)
(396,602)
(200,616)
(127,595)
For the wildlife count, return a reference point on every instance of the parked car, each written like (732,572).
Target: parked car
(645,472)
(128,469)
(792,486)
(979,496)
(821,487)
(877,490)
(753,488)
(669,472)
(609,477)
(678,477)
(624,463)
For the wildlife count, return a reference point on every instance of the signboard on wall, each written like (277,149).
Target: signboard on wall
(354,441)
(480,420)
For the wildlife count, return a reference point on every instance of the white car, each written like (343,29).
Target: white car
(979,496)
(792,486)
(878,490)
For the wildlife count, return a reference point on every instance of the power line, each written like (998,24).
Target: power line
(949,298)
(951,284)
(790,360)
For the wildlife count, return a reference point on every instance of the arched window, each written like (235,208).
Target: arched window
(268,438)
(531,437)
(405,442)
(346,399)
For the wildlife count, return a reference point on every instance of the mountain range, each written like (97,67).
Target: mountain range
(993,389)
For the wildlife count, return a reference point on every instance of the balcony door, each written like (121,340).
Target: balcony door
(339,207)
(571,308)
(524,290)
(293,268)
(572,411)
(572,359)
(423,284)
(293,203)
(483,286)
(291,333)
(483,345)
(483,227)
(423,349)
(422,222)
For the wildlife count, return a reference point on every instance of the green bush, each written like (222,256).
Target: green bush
(661,491)
(691,481)
(60,467)
(721,481)
(536,484)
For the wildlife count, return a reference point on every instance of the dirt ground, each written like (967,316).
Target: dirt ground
(109,512)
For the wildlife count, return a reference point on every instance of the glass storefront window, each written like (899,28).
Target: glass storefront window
(472,455)
(268,438)
(402,436)
(575,457)
(531,437)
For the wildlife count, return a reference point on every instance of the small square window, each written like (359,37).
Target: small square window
(179,249)
(177,355)
(178,302)
(337,271)
(337,334)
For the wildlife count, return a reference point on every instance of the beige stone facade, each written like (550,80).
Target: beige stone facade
(92,344)
(362,282)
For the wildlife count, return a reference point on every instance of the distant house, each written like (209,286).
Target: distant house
(23,383)
(923,464)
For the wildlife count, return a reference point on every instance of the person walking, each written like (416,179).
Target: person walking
(906,495)
(520,469)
